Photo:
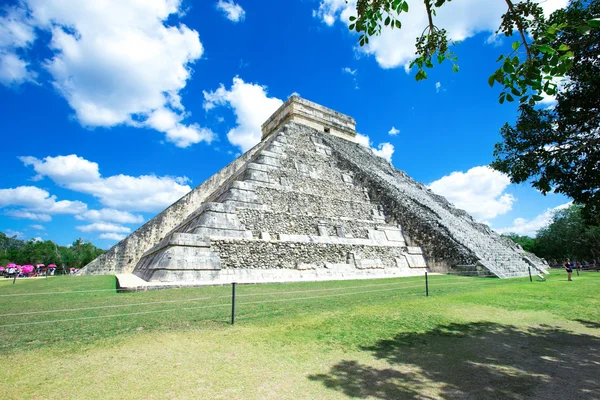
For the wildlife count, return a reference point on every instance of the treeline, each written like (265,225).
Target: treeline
(567,236)
(13,250)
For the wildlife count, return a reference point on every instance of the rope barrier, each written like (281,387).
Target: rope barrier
(59,292)
(186,308)
(400,284)
(191,287)
(195,299)
(117,290)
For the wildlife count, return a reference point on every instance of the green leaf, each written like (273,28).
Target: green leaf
(398,24)
(563,47)
(492,79)
(351,26)
(594,23)
(499,76)
(352,18)
(544,48)
(500,58)
(516,45)
(455,68)
(387,21)
(510,98)
(405,6)
(502,97)
(421,75)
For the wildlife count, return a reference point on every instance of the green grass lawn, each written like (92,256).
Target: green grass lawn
(474,338)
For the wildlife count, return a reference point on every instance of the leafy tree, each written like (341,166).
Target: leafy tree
(80,253)
(569,236)
(9,248)
(13,250)
(529,71)
(558,149)
(526,242)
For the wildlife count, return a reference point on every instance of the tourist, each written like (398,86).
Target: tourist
(569,269)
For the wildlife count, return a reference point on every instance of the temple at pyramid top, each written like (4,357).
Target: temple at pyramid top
(311,114)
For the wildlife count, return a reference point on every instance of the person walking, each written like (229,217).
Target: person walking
(569,269)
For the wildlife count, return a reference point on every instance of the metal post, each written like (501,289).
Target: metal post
(530,279)
(15,278)
(426,285)
(233,303)
(577,271)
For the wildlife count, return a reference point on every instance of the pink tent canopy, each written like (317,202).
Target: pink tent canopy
(40,265)
(51,265)
(1,268)
(27,269)
(11,265)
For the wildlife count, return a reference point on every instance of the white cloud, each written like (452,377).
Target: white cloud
(13,70)
(124,192)
(495,39)
(112,236)
(23,214)
(438,86)
(15,33)
(396,47)
(111,215)
(251,106)
(352,73)
(393,131)
(38,227)
(103,227)
(10,233)
(234,12)
(479,191)
(37,201)
(115,61)
(384,150)
(64,170)
(168,121)
(522,226)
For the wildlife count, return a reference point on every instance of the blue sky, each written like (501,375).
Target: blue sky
(112,111)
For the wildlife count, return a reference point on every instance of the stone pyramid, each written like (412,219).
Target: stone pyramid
(308,203)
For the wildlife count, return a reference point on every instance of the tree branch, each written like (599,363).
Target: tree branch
(520,29)
(429,16)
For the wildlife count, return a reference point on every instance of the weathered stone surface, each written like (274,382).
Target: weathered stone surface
(123,257)
(309,205)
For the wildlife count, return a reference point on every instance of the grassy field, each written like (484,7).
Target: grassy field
(474,338)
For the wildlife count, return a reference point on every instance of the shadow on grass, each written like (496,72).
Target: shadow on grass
(475,361)
(589,324)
